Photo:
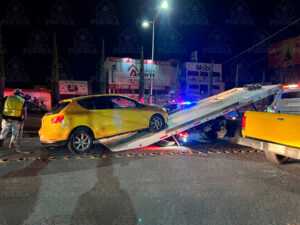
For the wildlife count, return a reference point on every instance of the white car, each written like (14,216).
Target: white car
(287,101)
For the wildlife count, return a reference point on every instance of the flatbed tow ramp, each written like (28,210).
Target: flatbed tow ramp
(185,119)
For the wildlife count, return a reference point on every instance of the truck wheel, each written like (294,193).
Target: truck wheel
(275,158)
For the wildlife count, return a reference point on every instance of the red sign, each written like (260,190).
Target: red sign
(285,53)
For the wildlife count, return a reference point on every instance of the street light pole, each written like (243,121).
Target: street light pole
(145,24)
(152,58)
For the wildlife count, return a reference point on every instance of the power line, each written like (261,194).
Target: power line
(291,24)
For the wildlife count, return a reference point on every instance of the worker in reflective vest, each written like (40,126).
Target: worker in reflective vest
(13,117)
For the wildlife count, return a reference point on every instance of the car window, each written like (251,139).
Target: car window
(119,102)
(294,94)
(58,108)
(94,103)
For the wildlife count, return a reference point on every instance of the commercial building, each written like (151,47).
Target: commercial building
(197,79)
(123,78)
(170,81)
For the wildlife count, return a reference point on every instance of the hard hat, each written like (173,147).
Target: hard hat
(18,92)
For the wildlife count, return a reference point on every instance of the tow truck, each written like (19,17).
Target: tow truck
(275,132)
(207,116)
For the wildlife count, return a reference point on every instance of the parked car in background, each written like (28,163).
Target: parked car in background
(287,101)
(77,122)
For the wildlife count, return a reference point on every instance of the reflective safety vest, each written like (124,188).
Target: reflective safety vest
(13,106)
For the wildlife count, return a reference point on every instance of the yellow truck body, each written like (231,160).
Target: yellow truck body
(272,127)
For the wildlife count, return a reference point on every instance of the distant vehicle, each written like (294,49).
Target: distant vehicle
(34,117)
(287,101)
(77,122)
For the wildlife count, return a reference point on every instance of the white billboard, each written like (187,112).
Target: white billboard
(73,87)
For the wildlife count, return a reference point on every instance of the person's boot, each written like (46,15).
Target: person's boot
(11,145)
(1,142)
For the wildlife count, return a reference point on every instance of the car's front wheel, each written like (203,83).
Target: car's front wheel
(156,123)
(80,141)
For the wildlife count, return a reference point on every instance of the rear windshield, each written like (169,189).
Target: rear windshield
(294,94)
(60,107)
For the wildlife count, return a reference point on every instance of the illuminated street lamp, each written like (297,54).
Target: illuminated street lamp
(146,24)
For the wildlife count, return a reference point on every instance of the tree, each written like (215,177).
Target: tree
(54,74)
(142,78)
(2,69)
(102,70)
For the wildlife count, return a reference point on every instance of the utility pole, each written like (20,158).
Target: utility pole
(102,70)
(55,74)
(237,76)
(2,69)
(263,78)
(142,78)
(210,79)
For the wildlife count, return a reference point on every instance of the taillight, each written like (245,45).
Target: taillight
(57,119)
(183,135)
(244,122)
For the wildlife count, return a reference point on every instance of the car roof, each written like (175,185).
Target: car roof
(92,96)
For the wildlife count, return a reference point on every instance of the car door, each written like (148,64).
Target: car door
(99,116)
(128,115)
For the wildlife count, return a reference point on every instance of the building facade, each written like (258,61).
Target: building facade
(170,82)
(197,80)
(124,74)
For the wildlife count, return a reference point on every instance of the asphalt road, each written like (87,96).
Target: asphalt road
(202,183)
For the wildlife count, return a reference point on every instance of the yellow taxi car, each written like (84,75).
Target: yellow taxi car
(77,122)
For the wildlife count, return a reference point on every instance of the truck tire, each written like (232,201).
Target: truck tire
(275,158)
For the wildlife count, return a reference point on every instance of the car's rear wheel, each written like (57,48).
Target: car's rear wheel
(80,141)
(156,123)
(275,158)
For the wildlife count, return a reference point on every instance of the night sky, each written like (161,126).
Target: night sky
(218,30)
